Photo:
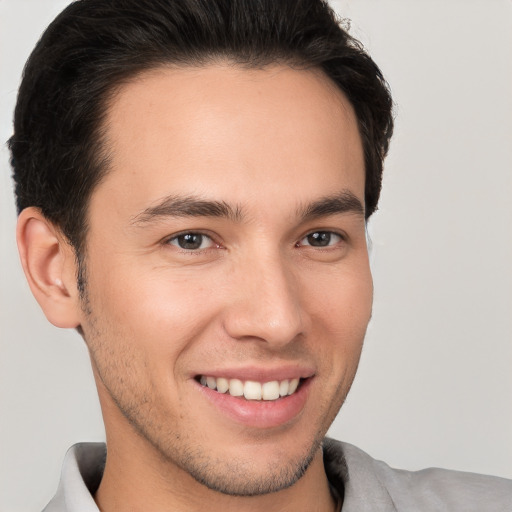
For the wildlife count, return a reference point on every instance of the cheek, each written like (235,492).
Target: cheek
(339,320)
(344,301)
(154,312)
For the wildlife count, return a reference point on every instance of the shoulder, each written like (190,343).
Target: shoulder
(427,490)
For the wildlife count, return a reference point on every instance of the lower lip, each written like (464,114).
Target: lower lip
(259,413)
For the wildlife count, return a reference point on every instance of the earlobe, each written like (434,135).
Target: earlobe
(49,265)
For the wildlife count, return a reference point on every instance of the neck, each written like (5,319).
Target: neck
(135,477)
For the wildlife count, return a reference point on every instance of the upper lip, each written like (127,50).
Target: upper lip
(260,374)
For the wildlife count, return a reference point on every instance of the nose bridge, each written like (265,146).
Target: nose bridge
(267,304)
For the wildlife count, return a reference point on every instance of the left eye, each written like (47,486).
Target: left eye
(191,241)
(321,239)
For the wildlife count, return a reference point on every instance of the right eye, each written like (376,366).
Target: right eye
(192,241)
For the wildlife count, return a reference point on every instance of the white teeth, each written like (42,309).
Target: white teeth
(293,386)
(236,387)
(252,390)
(283,387)
(270,390)
(222,385)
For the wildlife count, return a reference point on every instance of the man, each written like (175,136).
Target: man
(193,180)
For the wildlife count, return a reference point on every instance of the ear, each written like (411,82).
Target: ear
(48,261)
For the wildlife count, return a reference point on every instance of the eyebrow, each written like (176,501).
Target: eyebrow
(187,206)
(193,206)
(343,202)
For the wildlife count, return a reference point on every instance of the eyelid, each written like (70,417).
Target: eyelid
(341,234)
(205,233)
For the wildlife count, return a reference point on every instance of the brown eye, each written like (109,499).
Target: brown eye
(321,239)
(191,241)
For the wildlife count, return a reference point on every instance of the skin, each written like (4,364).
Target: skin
(255,295)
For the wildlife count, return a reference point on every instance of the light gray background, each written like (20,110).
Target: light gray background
(435,385)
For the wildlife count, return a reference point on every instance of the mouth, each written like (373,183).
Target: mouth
(255,398)
(252,390)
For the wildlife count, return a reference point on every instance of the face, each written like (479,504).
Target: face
(228,285)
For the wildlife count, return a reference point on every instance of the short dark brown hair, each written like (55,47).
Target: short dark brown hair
(93,46)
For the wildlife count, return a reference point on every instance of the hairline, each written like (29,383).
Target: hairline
(100,136)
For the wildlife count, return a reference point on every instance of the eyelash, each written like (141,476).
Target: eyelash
(175,238)
(318,234)
(322,232)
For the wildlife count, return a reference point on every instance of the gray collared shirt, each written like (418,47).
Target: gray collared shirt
(364,484)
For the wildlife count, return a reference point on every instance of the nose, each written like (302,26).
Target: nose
(265,303)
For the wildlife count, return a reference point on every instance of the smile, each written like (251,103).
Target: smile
(251,390)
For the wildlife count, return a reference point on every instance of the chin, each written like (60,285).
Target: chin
(255,472)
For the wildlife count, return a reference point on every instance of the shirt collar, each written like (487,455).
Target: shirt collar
(351,473)
(354,475)
(80,477)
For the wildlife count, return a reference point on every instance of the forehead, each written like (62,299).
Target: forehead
(232,134)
